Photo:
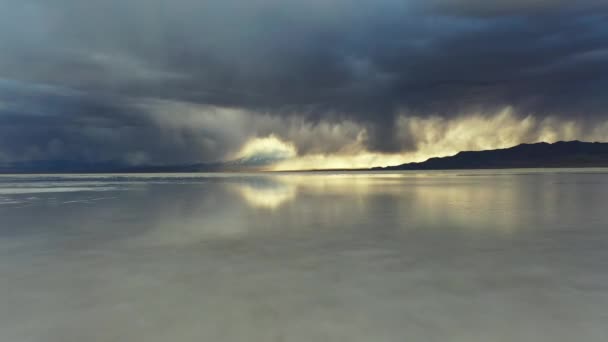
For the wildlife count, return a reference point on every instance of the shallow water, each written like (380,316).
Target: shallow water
(518,255)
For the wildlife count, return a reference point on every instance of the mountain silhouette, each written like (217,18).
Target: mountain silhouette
(539,155)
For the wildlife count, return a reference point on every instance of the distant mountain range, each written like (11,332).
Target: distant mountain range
(539,155)
(71,166)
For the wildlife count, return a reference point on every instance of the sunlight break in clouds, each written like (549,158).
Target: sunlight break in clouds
(437,136)
(267,147)
(279,143)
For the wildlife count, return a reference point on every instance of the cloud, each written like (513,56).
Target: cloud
(436,136)
(190,81)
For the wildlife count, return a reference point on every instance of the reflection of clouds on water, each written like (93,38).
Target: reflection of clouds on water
(476,201)
(309,257)
(266,193)
(187,214)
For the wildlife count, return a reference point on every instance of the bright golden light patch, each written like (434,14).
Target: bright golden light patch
(359,160)
(269,146)
(267,197)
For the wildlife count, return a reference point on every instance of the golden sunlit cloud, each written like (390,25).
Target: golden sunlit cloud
(270,147)
(361,159)
(438,136)
(433,136)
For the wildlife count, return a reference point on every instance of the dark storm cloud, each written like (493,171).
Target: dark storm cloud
(46,122)
(80,75)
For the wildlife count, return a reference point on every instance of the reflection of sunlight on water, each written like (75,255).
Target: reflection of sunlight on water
(267,195)
(422,200)
(467,206)
(274,192)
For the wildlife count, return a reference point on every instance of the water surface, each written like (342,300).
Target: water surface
(519,255)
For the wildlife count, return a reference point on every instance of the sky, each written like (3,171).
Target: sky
(313,84)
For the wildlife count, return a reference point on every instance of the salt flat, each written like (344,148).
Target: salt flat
(516,255)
